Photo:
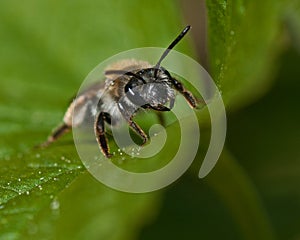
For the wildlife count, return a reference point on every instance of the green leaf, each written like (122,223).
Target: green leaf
(244,40)
(30,184)
(87,209)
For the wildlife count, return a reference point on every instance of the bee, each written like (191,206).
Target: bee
(129,86)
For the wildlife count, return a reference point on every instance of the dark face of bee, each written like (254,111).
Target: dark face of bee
(151,75)
(151,87)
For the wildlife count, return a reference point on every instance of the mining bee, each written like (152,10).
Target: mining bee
(129,86)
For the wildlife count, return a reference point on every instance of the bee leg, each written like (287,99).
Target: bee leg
(58,132)
(100,132)
(187,95)
(127,113)
(138,130)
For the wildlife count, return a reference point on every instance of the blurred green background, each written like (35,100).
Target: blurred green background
(252,50)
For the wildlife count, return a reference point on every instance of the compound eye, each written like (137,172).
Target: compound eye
(132,92)
(133,83)
(165,72)
(141,72)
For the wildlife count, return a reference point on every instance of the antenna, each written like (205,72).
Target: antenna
(166,52)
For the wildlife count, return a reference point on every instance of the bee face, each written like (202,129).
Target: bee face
(150,87)
(130,85)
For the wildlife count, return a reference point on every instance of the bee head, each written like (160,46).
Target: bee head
(150,87)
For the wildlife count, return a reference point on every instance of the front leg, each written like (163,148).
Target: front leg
(187,95)
(100,132)
(128,112)
(138,130)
